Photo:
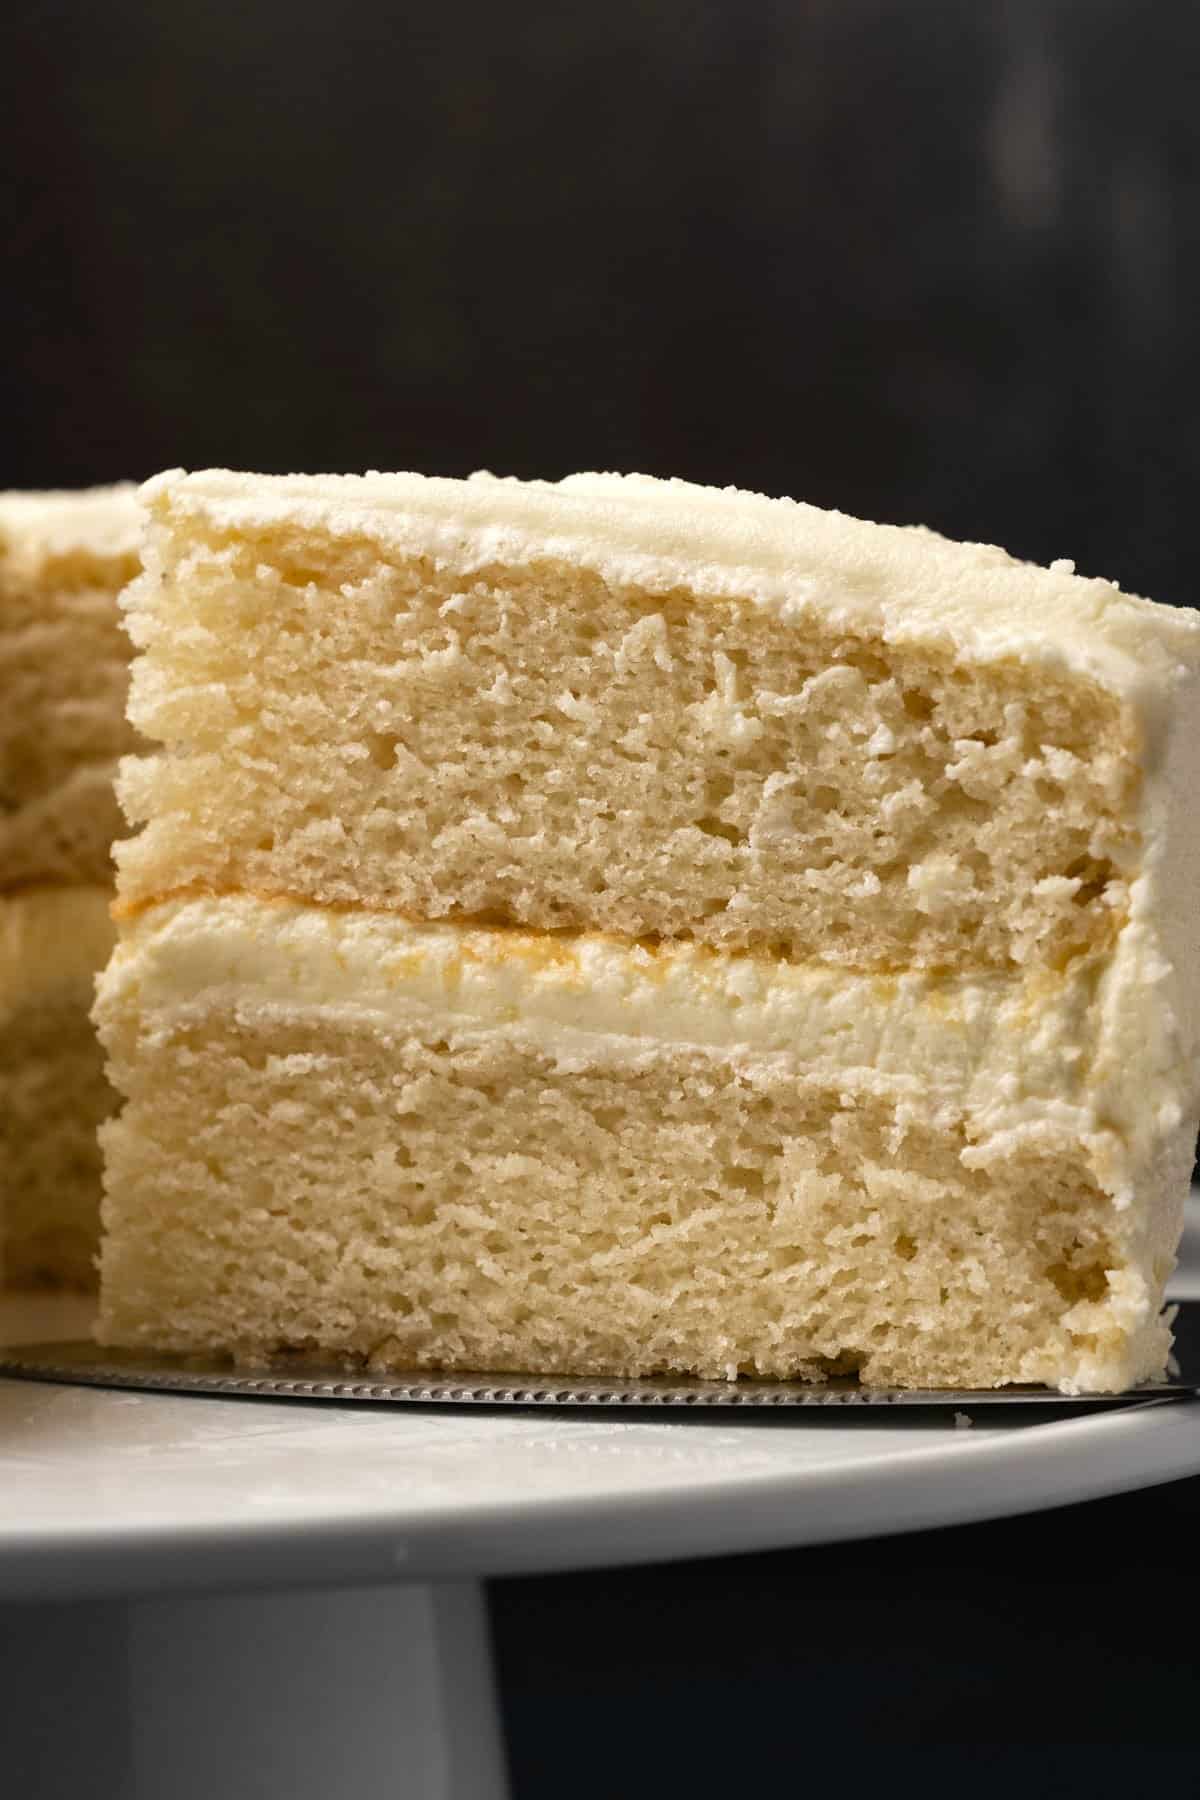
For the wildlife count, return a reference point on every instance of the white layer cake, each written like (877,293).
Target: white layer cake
(808,973)
(53,1092)
(64,557)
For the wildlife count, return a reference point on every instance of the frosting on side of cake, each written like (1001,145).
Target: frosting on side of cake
(906,582)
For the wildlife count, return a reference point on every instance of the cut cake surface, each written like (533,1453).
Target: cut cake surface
(807,977)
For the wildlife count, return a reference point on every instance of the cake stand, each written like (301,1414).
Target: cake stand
(283,1597)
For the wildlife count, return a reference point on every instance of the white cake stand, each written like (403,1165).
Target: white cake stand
(284,1598)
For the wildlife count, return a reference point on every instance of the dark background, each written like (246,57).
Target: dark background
(928,260)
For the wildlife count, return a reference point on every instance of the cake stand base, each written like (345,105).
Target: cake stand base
(347,1691)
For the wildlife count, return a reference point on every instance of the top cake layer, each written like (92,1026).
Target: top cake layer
(907,583)
(63,672)
(651,709)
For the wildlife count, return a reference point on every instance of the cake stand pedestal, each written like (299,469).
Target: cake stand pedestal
(316,1695)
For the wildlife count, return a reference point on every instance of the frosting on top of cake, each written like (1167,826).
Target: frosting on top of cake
(906,582)
(101,521)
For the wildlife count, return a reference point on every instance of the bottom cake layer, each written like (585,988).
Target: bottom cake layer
(433,1147)
(53,1091)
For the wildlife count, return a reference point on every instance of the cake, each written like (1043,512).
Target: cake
(63,675)
(615,927)
(53,1093)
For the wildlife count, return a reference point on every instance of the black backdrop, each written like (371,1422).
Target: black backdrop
(919,259)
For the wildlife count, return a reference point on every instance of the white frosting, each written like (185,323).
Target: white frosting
(907,583)
(52,939)
(1016,1055)
(1146,1069)
(102,522)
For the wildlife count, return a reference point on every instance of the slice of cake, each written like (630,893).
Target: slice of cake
(63,676)
(613,927)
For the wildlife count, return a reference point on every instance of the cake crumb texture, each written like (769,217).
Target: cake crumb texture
(464,1203)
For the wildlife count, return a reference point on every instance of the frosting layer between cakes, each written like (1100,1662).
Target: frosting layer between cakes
(1018,1054)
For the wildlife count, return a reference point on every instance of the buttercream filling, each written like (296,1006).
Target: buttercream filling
(1011,1053)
